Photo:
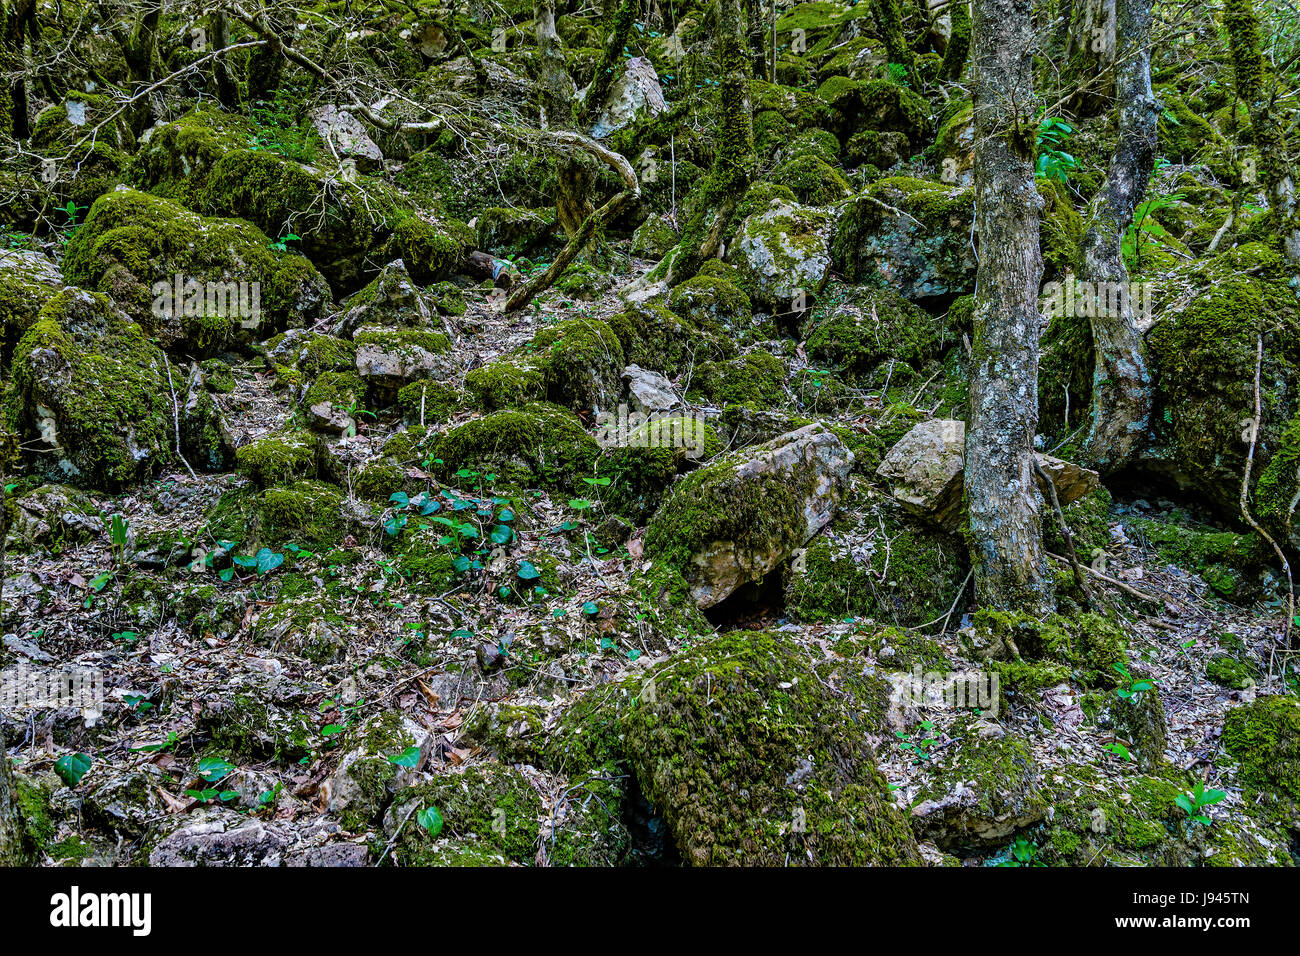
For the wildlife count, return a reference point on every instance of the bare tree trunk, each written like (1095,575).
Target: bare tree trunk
(1249,69)
(1003,501)
(227,88)
(1121,387)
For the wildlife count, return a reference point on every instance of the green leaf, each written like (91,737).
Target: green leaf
(268,561)
(528,571)
(72,767)
(407,758)
(213,769)
(431,820)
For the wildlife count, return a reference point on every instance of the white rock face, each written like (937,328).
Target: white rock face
(649,391)
(927,468)
(784,251)
(634,95)
(348,137)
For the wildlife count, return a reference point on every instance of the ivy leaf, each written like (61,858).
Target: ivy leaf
(72,767)
(268,561)
(213,769)
(431,820)
(527,571)
(407,758)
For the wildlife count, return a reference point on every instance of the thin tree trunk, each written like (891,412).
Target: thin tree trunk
(227,88)
(1249,70)
(15,848)
(733,156)
(1121,387)
(1003,501)
(1090,55)
(954,56)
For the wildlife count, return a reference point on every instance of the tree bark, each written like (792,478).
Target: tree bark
(1121,386)
(1003,501)
(1249,70)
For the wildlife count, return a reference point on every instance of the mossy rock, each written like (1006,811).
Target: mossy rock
(232,287)
(756,378)
(854,330)
(657,339)
(90,394)
(489,805)
(582,362)
(908,577)
(1088,643)
(980,791)
(927,254)
(711,302)
(1202,355)
(813,181)
(642,468)
(748,757)
(1264,737)
(279,458)
(28,280)
(535,446)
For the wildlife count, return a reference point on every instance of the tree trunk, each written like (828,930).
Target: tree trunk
(1248,70)
(1121,387)
(889,24)
(15,848)
(227,88)
(954,56)
(1003,501)
(1090,56)
(733,156)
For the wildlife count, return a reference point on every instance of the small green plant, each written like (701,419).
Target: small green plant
(1119,750)
(920,744)
(431,819)
(1145,226)
(119,534)
(1196,800)
(1135,687)
(1054,162)
(72,767)
(1023,853)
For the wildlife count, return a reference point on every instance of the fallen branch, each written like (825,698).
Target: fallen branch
(1150,598)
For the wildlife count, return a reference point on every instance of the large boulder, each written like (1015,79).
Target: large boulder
(344,133)
(94,398)
(735,520)
(927,470)
(923,253)
(748,755)
(782,251)
(27,281)
(199,285)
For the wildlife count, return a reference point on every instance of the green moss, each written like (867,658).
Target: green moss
(90,393)
(756,378)
(538,445)
(657,339)
(812,180)
(724,729)
(1088,643)
(1222,558)
(506,383)
(1231,672)
(305,512)
(582,362)
(912,581)
(279,458)
(491,805)
(1264,737)
(641,471)
(430,253)
(711,302)
(429,401)
(856,329)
